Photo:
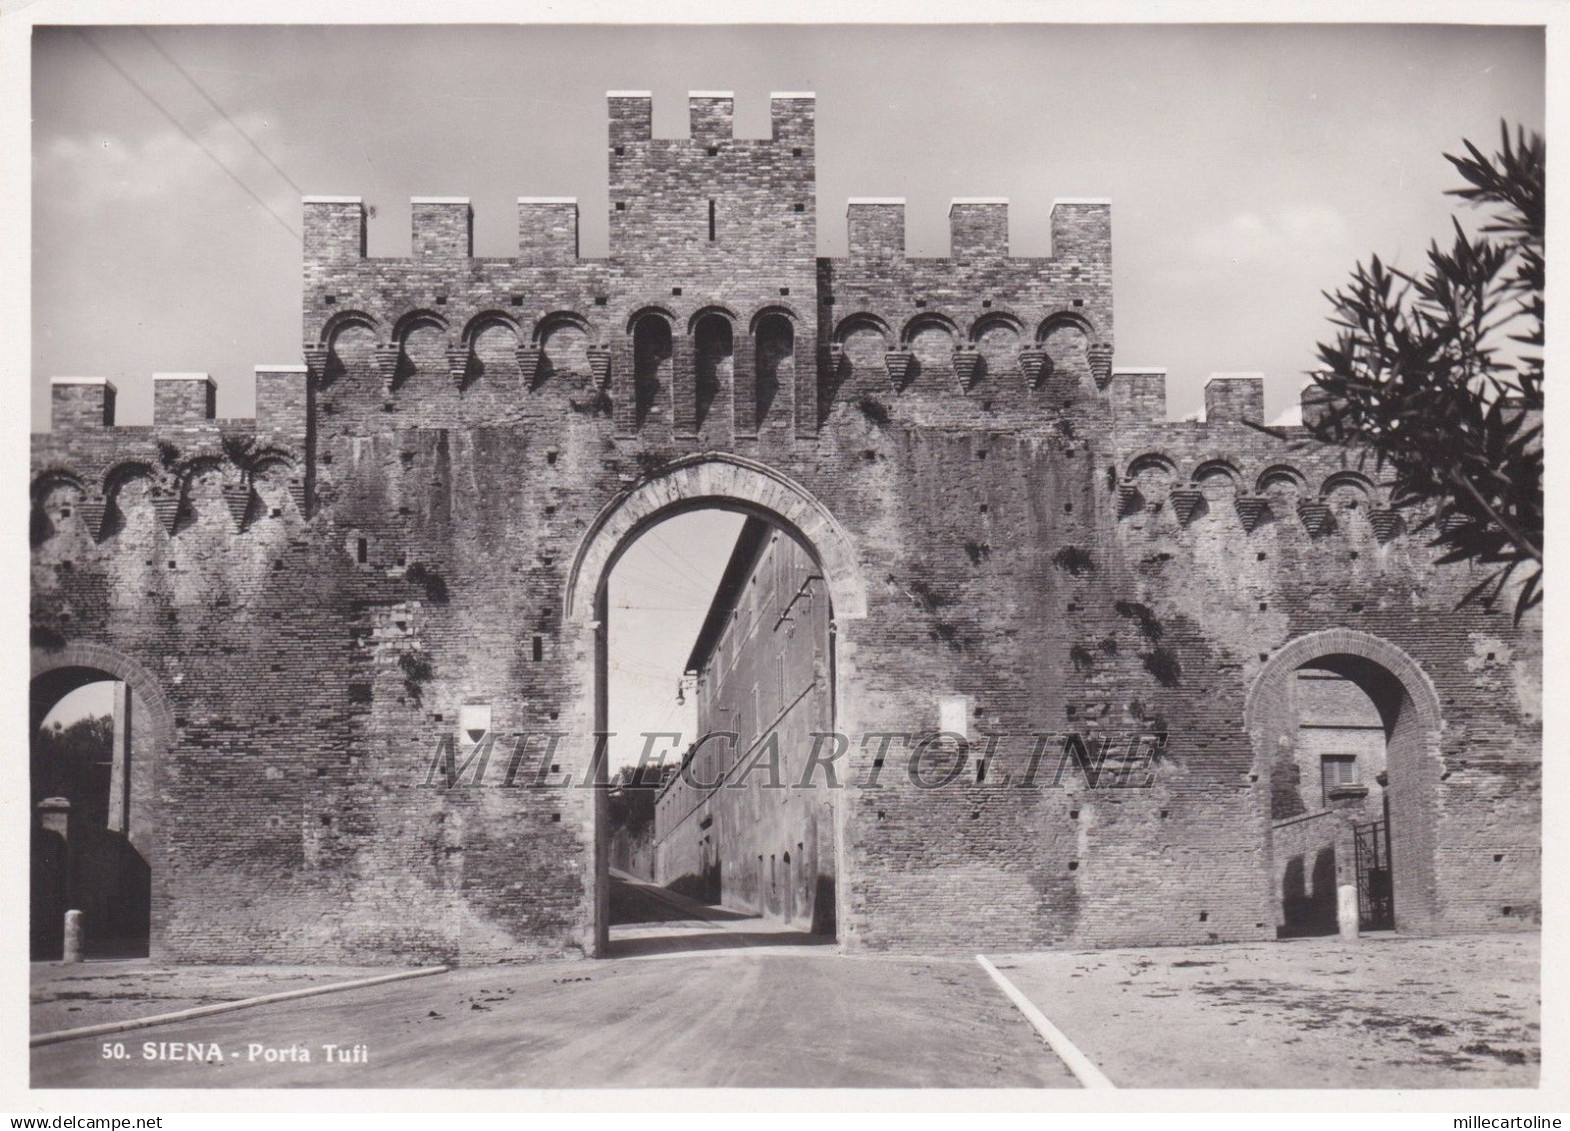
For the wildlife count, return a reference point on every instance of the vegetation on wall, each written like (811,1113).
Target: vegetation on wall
(1439,373)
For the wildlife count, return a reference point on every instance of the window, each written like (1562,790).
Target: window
(768,569)
(474,723)
(953,715)
(711,221)
(1334,770)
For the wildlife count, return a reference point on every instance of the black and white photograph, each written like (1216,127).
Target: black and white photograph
(978,558)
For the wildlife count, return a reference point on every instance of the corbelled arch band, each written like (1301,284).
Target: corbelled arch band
(714,480)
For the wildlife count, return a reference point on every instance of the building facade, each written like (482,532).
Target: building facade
(417,527)
(748,822)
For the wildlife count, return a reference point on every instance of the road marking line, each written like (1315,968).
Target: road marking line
(1078,1063)
(224,1007)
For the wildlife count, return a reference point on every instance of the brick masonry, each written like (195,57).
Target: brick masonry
(421,517)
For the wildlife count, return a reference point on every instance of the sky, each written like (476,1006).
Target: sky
(1249,166)
(659,592)
(84,703)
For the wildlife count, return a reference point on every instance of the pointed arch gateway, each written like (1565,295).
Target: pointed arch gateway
(706,482)
(715,480)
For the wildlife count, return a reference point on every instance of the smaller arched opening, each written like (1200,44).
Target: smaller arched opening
(712,362)
(1066,337)
(1283,480)
(129,488)
(95,739)
(651,366)
(422,338)
(56,495)
(1347,731)
(492,340)
(1219,484)
(563,338)
(350,338)
(857,361)
(930,339)
(1351,497)
(1282,488)
(996,336)
(1149,479)
(774,335)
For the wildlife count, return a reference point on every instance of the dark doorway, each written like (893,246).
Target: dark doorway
(90,800)
(1375,891)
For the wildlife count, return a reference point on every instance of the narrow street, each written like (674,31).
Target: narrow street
(647,919)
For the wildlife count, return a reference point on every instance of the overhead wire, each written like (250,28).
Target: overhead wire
(217,109)
(191,137)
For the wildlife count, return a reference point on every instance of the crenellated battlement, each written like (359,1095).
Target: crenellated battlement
(1139,397)
(443,227)
(712,319)
(183,402)
(979,229)
(712,117)
(334,228)
(81,402)
(186,465)
(1033,335)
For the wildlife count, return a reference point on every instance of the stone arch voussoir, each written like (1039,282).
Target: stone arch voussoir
(715,480)
(1348,642)
(98,657)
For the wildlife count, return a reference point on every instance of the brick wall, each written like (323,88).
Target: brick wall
(1002,515)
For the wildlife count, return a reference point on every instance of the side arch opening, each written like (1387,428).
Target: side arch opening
(1346,732)
(97,732)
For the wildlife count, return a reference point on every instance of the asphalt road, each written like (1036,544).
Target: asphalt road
(700,997)
(757,1018)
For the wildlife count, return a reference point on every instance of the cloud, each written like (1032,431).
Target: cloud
(85,172)
(1281,235)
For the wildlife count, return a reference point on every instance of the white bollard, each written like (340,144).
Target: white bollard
(1346,910)
(73,937)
